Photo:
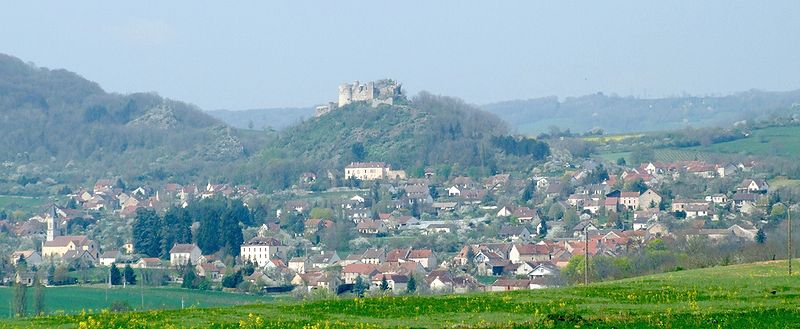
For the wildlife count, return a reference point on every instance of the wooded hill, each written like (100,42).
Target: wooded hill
(62,128)
(58,119)
(428,130)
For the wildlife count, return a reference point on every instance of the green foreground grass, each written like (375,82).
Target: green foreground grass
(740,296)
(78,299)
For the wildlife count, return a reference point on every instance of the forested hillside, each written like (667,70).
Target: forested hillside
(56,119)
(615,114)
(428,130)
(261,119)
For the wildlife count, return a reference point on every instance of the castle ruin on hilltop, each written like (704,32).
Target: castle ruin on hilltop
(375,93)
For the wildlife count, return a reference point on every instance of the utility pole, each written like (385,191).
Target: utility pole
(141,286)
(789,239)
(586,255)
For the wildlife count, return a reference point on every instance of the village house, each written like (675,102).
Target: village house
(351,272)
(521,253)
(753,186)
(60,245)
(514,233)
(31,257)
(149,262)
(367,171)
(649,199)
(181,254)
(260,250)
(424,257)
(109,257)
(395,282)
(629,200)
(299,264)
(371,227)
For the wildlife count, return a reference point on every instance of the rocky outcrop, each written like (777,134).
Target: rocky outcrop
(161,117)
(225,145)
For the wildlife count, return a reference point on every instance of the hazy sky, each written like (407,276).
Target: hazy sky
(240,55)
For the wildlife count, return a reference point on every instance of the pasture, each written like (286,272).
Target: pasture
(740,296)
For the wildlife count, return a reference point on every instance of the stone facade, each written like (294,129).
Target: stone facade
(375,93)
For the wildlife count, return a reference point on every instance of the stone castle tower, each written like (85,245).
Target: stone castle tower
(384,91)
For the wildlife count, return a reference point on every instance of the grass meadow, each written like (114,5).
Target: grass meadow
(741,296)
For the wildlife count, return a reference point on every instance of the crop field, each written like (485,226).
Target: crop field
(741,296)
(782,141)
(75,299)
(661,155)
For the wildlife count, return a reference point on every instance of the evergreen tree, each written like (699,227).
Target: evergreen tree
(130,276)
(542,228)
(411,286)
(527,193)
(116,276)
(189,277)
(761,237)
(232,280)
(231,232)
(147,232)
(209,213)
(359,287)
(38,298)
(384,283)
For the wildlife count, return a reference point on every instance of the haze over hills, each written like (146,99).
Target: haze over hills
(615,114)
(612,114)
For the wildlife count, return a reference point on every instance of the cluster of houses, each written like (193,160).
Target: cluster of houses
(526,253)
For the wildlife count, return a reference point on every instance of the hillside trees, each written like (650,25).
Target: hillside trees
(219,228)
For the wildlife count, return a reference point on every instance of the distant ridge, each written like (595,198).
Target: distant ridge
(615,114)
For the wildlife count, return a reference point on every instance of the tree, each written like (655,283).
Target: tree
(358,152)
(384,283)
(761,237)
(147,232)
(621,161)
(189,277)
(116,276)
(359,287)
(130,276)
(20,299)
(433,192)
(175,228)
(248,268)
(38,298)
(232,280)
(636,185)
(542,228)
(527,193)
(411,286)
(470,258)
(231,236)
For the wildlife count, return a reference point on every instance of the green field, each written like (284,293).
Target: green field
(22,202)
(783,141)
(661,155)
(740,296)
(75,299)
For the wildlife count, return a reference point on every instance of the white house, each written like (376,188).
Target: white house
(260,250)
(181,254)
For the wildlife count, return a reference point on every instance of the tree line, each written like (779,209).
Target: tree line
(219,227)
